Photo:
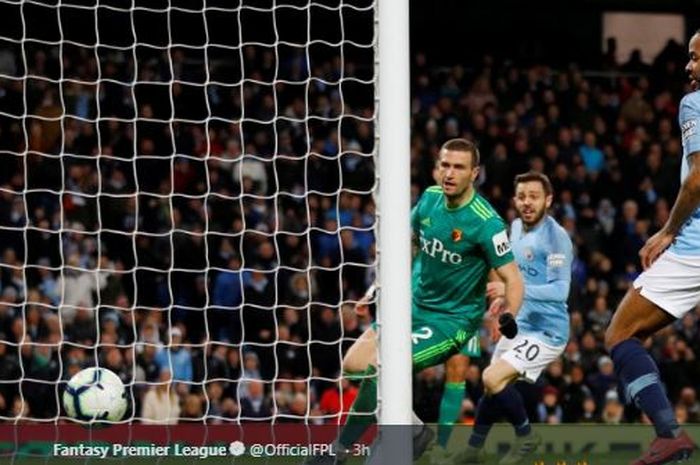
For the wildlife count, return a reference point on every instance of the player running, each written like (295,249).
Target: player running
(460,238)
(668,288)
(544,254)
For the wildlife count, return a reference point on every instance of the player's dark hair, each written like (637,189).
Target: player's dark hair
(534,176)
(463,145)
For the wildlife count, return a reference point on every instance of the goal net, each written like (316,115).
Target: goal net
(187,200)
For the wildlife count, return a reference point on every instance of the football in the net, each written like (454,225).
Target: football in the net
(95,394)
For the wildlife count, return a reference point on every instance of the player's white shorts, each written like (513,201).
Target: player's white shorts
(672,282)
(527,354)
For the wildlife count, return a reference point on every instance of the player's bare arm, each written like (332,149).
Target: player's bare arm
(514,287)
(686,203)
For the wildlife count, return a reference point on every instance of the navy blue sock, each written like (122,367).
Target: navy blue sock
(513,408)
(641,384)
(488,412)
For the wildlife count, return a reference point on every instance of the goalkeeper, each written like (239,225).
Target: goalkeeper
(461,239)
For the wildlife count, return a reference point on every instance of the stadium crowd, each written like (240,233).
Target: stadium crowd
(221,239)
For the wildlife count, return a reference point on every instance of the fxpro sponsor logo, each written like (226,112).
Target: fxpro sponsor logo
(436,249)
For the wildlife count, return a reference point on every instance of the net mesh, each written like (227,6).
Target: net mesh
(187,194)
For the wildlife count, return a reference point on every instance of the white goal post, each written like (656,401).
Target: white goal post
(394,223)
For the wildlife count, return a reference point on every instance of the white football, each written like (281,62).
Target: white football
(95,394)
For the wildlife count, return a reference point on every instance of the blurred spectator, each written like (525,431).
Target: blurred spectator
(254,403)
(228,285)
(613,410)
(549,410)
(599,317)
(554,376)
(192,408)
(161,404)
(603,381)
(636,109)
(687,327)
(284,393)
(678,366)
(251,365)
(258,295)
(146,361)
(572,355)
(229,408)
(590,411)
(337,400)
(177,358)
(227,298)
(216,362)
(84,329)
(9,375)
(49,284)
(250,173)
(291,353)
(214,394)
(113,360)
(78,287)
(590,352)
(41,368)
(688,399)
(296,410)
(574,396)
(682,415)
(577,328)
(593,158)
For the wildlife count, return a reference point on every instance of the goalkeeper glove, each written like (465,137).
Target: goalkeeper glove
(507,325)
